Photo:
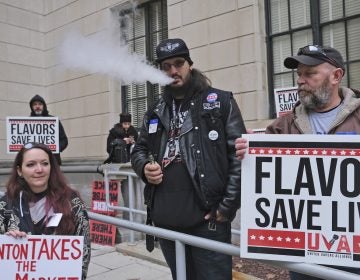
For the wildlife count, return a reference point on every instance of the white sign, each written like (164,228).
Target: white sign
(22,130)
(300,199)
(285,99)
(259,130)
(40,257)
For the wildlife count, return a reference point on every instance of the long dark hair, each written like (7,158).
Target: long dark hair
(58,194)
(200,80)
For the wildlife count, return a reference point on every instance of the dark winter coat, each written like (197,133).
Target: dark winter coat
(116,134)
(63,140)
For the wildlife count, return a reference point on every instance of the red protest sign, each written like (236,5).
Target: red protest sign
(102,233)
(98,201)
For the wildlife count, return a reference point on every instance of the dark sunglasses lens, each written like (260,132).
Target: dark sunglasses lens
(311,50)
(301,51)
(28,145)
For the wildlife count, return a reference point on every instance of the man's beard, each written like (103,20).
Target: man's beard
(316,99)
(180,92)
(38,113)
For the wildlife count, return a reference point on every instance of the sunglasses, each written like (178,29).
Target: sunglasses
(177,64)
(315,50)
(31,145)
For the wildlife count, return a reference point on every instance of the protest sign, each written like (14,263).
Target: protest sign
(102,233)
(22,130)
(300,199)
(40,257)
(98,201)
(285,99)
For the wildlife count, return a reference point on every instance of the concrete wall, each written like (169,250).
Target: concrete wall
(87,104)
(22,60)
(226,38)
(227,41)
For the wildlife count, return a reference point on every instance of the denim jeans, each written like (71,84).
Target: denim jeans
(202,264)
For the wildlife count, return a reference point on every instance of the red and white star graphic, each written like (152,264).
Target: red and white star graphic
(305,151)
(276,238)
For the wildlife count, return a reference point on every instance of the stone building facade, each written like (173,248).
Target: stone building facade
(227,40)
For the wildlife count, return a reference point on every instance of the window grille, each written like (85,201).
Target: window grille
(291,24)
(142,29)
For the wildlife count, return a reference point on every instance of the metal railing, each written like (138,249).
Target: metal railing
(182,239)
(121,174)
(131,209)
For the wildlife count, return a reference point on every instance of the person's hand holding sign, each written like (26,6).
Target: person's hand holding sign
(16,233)
(241,145)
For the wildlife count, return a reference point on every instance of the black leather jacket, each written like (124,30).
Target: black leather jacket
(212,165)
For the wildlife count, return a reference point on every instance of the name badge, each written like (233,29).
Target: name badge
(153,124)
(54,220)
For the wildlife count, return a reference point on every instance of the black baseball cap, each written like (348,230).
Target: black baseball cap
(172,48)
(313,55)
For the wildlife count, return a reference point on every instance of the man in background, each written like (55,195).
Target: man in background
(39,109)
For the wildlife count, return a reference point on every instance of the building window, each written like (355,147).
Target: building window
(142,29)
(291,24)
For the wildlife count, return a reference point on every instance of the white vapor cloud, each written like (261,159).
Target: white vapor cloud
(104,53)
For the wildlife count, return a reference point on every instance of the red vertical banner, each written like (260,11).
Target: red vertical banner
(98,201)
(102,233)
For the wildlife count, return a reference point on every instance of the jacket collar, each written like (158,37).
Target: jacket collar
(350,103)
